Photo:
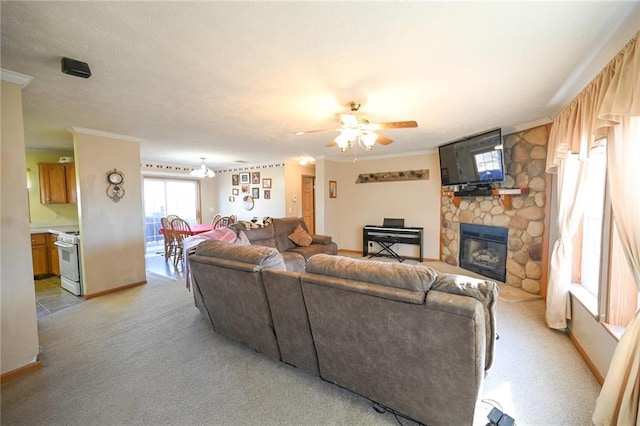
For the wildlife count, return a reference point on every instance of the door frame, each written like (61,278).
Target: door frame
(313,198)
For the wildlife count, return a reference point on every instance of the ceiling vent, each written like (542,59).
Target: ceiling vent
(75,68)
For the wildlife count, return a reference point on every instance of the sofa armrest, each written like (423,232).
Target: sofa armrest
(321,239)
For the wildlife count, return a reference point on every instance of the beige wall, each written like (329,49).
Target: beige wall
(327,209)
(18,309)
(357,205)
(112,244)
(47,215)
(215,193)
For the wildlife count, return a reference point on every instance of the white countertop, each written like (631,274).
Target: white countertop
(55,229)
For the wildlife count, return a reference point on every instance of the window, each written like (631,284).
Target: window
(599,264)
(592,221)
(163,197)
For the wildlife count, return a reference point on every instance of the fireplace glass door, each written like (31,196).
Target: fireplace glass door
(483,249)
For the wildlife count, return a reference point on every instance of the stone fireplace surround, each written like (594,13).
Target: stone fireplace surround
(525,160)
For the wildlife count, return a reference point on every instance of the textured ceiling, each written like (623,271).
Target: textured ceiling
(232,81)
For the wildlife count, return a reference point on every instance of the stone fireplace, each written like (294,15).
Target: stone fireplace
(483,249)
(523,218)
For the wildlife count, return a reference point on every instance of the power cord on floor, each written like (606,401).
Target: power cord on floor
(382,409)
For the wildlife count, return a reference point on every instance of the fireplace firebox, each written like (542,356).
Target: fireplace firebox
(483,249)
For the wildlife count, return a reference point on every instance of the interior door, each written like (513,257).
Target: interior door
(308,202)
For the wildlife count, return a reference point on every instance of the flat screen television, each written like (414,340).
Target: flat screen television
(475,161)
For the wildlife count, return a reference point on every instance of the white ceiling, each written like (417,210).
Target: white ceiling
(232,81)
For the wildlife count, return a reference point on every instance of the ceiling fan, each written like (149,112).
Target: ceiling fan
(356,129)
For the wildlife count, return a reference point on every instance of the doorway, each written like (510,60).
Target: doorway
(164,196)
(308,202)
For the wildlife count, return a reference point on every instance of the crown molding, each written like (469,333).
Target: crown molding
(15,77)
(93,132)
(526,126)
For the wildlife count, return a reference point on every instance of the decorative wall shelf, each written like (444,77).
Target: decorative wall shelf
(505,194)
(420,174)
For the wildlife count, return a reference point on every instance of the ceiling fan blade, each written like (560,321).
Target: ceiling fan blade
(383,140)
(392,125)
(315,131)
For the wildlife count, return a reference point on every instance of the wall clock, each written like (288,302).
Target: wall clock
(115,177)
(115,191)
(247,202)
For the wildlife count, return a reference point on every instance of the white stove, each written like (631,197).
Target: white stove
(70,266)
(71,237)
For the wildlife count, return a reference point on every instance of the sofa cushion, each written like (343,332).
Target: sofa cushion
(300,237)
(261,257)
(282,227)
(314,249)
(258,236)
(294,262)
(399,275)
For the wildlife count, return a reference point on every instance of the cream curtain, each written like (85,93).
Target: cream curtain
(610,107)
(619,398)
(571,186)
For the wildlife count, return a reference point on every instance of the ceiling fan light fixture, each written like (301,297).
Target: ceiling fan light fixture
(368,140)
(343,142)
(203,171)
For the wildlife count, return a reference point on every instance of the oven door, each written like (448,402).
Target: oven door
(69,262)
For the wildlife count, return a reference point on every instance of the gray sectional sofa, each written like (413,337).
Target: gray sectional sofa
(404,336)
(276,234)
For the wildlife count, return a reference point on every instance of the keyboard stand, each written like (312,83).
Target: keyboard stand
(387,247)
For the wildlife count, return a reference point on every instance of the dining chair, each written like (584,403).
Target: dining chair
(223,222)
(169,238)
(181,230)
(172,216)
(215,219)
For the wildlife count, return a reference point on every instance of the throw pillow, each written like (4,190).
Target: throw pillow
(300,237)
(242,239)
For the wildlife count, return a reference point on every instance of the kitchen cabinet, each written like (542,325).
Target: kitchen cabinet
(57,183)
(54,262)
(39,255)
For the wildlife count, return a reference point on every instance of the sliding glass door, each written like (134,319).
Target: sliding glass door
(162,197)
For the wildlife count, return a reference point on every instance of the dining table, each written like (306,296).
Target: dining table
(196,229)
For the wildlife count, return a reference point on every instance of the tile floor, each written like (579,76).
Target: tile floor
(51,297)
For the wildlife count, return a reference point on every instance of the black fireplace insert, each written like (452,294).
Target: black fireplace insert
(483,249)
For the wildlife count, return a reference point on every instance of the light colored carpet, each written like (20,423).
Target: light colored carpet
(146,356)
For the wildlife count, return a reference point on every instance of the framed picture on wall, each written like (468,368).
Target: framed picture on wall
(244,177)
(267,194)
(235,191)
(245,189)
(266,183)
(231,198)
(333,189)
(255,178)
(235,180)
(255,193)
